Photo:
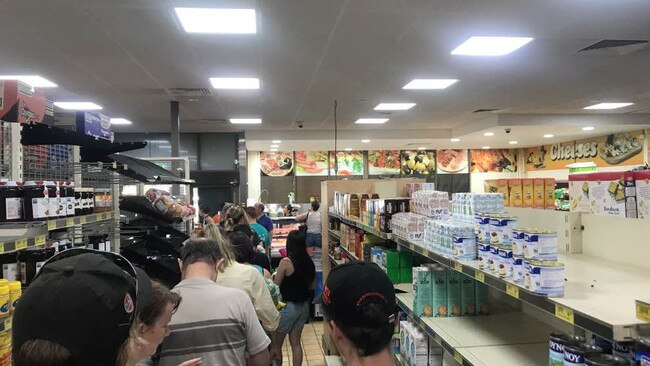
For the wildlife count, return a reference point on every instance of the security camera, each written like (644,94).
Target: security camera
(299,124)
(508,130)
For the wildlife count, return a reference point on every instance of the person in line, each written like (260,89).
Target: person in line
(245,278)
(260,230)
(359,300)
(222,214)
(213,322)
(204,212)
(296,275)
(259,258)
(80,310)
(235,216)
(263,219)
(152,325)
(312,219)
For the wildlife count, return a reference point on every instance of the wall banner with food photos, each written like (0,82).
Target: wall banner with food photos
(624,148)
(418,162)
(349,163)
(311,163)
(496,160)
(452,161)
(276,164)
(383,162)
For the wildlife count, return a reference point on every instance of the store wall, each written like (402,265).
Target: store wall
(254,178)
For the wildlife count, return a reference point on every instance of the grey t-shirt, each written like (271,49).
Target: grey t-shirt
(215,323)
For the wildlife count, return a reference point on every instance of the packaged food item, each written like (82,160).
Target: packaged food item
(354,206)
(579,192)
(11,202)
(15,292)
(4,299)
(545,277)
(505,261)
(539,198)
(502,187)
(556,344)
(422,296)
(10,268)
(435,354)
(516,193)
(528,191)
(464,248)
(518,239)
(454,303)
(549,193)
(501,229)
(483,226)
(467,296)
(420,347)
(494,259)
(540,244)
(439,291)
(36,201)
(482,293)
(575,355)
(605,360)
(483,255)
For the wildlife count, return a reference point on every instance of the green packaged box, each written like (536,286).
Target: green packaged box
(390,259)
(482,293)
(406,275)
(439,291)
(467,296)
(422,292)
(405,259)
(393,274)
(454,305)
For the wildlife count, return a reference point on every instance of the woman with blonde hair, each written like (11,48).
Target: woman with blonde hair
(212,231)
(235,215)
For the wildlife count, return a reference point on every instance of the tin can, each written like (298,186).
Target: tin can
(518,271)
(576,355)
(501,229)
(556,344)
(541,245)
(483,255)
(464,248)
(545,277)
(605,360)
(483,226)
(518,242)
(505,261)
(494,258)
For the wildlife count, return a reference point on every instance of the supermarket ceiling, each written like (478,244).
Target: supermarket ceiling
(128,55)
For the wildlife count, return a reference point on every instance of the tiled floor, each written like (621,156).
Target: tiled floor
(311,345)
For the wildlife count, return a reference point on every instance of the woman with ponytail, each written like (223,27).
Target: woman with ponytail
(234,216)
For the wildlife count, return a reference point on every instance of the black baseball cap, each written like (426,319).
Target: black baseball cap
(85,301)
(352,286)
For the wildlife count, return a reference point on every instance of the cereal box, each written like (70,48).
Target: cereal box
(642,180)
(549,193)
(516,193)
(527,187)
(467,296)
(538,193)
(422,292)
(454,304)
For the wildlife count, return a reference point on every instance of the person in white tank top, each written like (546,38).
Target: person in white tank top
(312,220)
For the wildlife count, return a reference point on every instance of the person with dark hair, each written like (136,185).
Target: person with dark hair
(359,300)
(259,258)
(261,232)
(263,219)
(213,322)
(80,310)
(296,275)
(244,250)
(312,219)
(204,212)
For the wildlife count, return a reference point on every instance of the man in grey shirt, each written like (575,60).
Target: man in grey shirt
(213,322)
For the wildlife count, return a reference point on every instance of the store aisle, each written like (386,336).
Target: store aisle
(311,345)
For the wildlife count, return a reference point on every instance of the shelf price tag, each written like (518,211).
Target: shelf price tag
(425,252)
(40,240)
(21,244)
(458,357)
(411,246)
(51,225)
(643,311)
(512,290)
(458,266)
(83,220)
(564,313)
(2,247)
(480,276)
(69,222)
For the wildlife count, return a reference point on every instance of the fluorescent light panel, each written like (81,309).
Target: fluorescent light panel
(588,128)
(120,121)
(276,141)
(513,142)
(488,134)
(274,150)
(371,120)
(490,46)
(394,106)
(422,148)
(454,140)
(365,141)
(221,21)
(235,83)
(430,83)
(348,149)
(246,121)
(485,147)
(549,136)
(34,81)
(275,146)
(609,105)
(81,106)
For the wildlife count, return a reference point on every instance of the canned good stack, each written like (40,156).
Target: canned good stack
(572,350)
(10,292)
(451,238)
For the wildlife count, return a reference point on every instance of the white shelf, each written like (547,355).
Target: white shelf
(479,340)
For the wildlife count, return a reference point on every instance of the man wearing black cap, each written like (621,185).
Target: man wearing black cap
(359,300)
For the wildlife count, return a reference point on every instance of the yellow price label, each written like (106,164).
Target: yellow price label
(425,252)
(458,357)
(51,225)
(69,222)
(458,266)
(512,290)
(643,311)
(40,240)
(564,313)
(21,244)
(83,220)
(411,246)
(421,323)
(2,247)
(8,323)
(480,276)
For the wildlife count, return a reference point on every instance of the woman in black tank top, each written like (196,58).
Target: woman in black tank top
(296,275)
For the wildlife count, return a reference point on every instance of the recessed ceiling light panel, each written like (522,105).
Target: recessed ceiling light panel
(246,121)
(80,106)
(513,142)
(223,21)
(34,81)
(454,140)
(235,83)
(609,105)
(365,141)
(348,149)
(276,141)
(394,106)
(371,120)
(588,128)
(430,83)
(120,121)
(486,147)
(549,136)
(490,46)
(488,134)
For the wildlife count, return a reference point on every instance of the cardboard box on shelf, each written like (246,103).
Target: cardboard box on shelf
(516,193)
(549,193)
(502,187)
(538,193)
(642,182)
(422,292)
(19,102)
(490,185)
(527,187)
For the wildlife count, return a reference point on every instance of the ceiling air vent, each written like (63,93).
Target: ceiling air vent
(614,47)
(484,110)
(213,120)
(190,92)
